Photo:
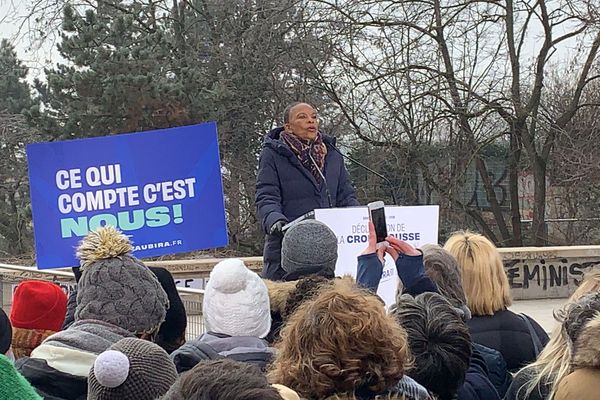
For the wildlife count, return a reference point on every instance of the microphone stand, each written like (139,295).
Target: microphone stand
(385,179)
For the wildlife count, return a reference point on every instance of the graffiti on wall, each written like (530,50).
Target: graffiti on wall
(562,274)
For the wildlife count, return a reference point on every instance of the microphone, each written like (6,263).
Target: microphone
(386,180)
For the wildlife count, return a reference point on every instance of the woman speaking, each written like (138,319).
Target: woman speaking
(299,170)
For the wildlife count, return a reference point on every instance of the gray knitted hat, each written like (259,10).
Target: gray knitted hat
(309,247)
(116,287)
(132,369)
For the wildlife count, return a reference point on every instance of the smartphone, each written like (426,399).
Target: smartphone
(377,216)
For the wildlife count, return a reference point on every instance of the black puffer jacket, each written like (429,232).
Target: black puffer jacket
(508,333)
(50,383)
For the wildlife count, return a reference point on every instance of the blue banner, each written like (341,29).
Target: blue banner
(162,188)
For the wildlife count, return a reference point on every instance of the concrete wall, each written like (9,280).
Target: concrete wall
(547,272)
(533,272)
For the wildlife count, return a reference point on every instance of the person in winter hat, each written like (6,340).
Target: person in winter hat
(171,334)
(131,369)
(38,311)
(117,297)
(13,386)
(236,301)
(116,287)
(237,318)
(309,247)
(309,250)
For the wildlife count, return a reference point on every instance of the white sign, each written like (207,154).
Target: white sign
(417,225)
(193,283)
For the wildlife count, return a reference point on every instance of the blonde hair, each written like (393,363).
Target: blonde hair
(483,277)
(553,363)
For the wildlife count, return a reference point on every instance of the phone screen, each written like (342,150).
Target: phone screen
(378,219)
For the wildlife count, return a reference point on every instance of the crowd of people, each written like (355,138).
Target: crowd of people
(298,331)
(450,335)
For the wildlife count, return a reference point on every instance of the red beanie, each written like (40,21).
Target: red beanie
(38,305)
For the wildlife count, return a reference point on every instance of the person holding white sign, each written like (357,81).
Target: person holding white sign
(300,169)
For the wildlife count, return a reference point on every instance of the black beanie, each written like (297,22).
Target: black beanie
(173,328)
(5,332)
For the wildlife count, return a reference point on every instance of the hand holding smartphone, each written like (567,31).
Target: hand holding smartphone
(377,217)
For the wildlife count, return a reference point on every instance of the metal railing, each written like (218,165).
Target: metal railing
(12,275)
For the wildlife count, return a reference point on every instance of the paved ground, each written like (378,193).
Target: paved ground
(540,310)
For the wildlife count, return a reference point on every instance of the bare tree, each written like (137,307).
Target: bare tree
(463,74)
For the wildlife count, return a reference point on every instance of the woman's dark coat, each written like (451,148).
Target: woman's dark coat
(508,333)
(285,190)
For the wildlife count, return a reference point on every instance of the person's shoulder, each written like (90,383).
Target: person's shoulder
(333,151)
(272,143)
(329,139)
(273,137)
(582,384)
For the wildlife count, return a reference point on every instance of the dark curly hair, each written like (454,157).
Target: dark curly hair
(223,379)
(342,341)
(439,341)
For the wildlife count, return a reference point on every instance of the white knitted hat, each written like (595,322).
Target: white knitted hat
(236,301)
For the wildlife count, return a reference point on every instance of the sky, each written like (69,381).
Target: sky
(12,27)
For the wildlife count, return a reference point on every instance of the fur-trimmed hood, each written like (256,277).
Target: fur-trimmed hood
(279,292)
(587,346)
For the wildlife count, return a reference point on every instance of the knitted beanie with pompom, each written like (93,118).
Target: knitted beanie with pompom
(115,287)
(236,301)
(132,369)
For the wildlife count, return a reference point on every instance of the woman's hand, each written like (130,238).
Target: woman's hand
(372,247)
(397,247)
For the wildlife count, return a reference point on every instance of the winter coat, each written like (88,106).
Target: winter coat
(496,368)
(285,190)
(477,385)
(584,382)
(517,390)
(410,270)
(59,367)
(279,291)
(508,333)
(213,346)
(13,386)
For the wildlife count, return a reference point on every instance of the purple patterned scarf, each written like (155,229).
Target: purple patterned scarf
(304,149)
